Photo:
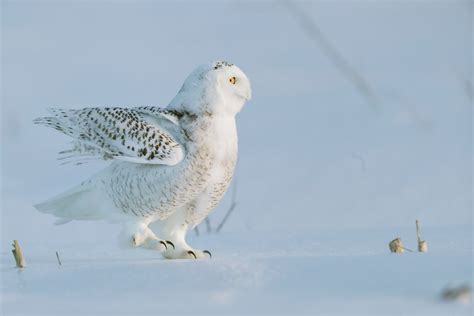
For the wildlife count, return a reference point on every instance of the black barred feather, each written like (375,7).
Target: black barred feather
(134,135)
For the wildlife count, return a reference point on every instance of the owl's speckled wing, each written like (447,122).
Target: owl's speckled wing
(138,135)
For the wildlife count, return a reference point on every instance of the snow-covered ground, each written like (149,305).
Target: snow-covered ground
(315,273)
(325,180)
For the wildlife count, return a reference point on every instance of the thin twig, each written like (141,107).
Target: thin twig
(418,231)
(231,208)
(208,225)
(314,33)
(59,260)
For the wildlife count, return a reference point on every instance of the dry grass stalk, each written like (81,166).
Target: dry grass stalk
(19,259)
(396,246)
(57,257)
(422,245)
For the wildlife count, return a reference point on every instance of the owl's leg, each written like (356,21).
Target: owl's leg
(142,236)
(174,229)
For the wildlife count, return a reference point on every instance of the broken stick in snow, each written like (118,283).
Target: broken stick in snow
(396,245)
(20,261)
(422,245)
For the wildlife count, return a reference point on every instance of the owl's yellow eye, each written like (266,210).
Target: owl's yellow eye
(232,80)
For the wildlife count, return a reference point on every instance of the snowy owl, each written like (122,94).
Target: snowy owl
(169,166)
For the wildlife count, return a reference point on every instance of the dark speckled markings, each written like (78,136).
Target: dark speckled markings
(221,64)
(112,131)
(150,190)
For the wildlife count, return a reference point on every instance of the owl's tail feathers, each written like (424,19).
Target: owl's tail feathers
(76,204)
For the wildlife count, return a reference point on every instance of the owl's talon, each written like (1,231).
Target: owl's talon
(134,241)
(208,253)
(164,244)
(190,252)
(170,243)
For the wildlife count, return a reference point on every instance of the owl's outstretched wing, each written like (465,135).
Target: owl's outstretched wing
(138,135)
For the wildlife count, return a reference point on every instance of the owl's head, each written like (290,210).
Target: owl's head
(218,88)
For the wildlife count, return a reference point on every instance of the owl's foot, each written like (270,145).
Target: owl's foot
(198,254)
(183,253)
(149,242)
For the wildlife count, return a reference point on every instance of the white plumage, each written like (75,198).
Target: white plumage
(169,166)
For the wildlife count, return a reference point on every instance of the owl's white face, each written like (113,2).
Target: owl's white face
(233,84)
(217,88)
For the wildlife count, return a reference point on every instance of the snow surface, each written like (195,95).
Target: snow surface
(324,181)
(316,273)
